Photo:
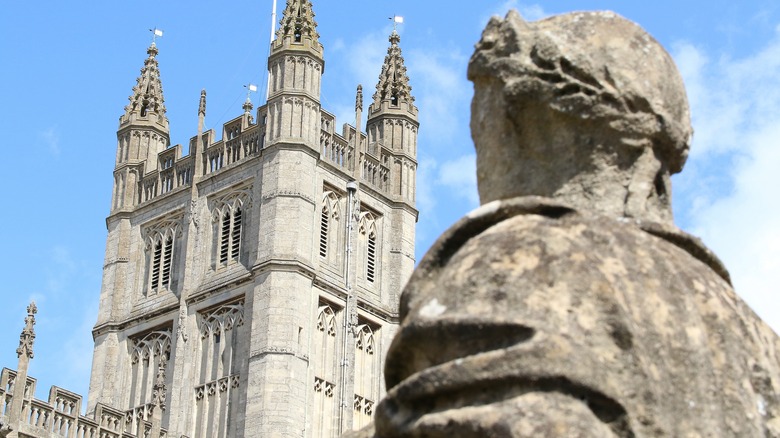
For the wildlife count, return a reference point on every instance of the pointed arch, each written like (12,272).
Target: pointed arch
(147,352)
(369,253)
(218,370)
(330,219)
(161,241)
(228,216)
(325,354)
(366,373)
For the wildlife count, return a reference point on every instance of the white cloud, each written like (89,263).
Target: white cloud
(460,177)
(51,138)
(729,185)
(440,86)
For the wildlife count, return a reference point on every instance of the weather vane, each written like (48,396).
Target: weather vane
(397,19)
(250,88)
(155,33)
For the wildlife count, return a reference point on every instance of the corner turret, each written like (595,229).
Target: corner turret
(392,123)
(143,133)
(295,69)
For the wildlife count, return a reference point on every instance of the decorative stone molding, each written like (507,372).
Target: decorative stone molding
(27,338)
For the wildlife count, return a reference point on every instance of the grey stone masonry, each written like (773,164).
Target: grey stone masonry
(251,287)
(21,415)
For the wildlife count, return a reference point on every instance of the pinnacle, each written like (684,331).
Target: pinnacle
(298,21)
(393,81)
(147,96)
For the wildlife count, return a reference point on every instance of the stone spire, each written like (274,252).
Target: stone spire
(393,83)
(27,338)
(147,94)
(298,21)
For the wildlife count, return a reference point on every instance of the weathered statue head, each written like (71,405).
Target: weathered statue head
(533,316)
(584,107)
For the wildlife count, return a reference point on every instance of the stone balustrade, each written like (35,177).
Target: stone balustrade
(60,415)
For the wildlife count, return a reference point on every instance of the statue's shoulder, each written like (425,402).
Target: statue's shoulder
(366,432)
(547,213)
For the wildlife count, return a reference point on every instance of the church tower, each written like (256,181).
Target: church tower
(251,287)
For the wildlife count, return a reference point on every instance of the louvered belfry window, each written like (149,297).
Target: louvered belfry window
(161,263)
(324,223)
(235,245)
(230,235)
(371,258)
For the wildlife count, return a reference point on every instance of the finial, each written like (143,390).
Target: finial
(359,98)
(395,38)
(247,106)
(152,50)
(202,105)
(250,88)
(27,337)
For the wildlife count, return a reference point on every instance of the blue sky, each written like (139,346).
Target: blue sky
(68,68)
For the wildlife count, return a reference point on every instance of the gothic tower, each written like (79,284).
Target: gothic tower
(251,286)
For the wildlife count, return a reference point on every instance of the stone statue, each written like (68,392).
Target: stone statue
(569,305)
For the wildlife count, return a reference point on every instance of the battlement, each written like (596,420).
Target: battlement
(60,415)
(243,139)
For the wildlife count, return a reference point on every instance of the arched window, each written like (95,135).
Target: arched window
(366,375)
(371,257)
(324,228)
(148,352)
(298,34)
(228,219)
(161,248)
(369,247)
(325,357)
(218,370)
(329,244)
(230,235)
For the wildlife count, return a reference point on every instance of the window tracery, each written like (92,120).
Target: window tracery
(367,230)
(160,248)
(149,353)
(324,359)
(229,217)
(366,374)
(330,218)
(219,371)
